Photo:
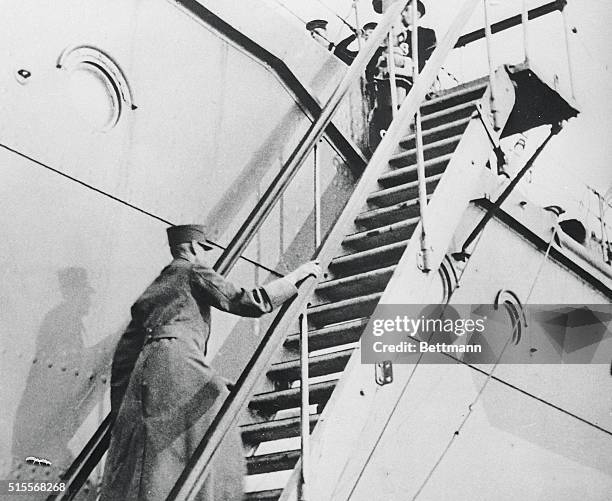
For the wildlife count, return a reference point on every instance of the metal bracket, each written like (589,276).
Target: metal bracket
(423,260)
(383,372)
(494,140)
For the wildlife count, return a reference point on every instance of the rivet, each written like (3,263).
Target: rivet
(104,379)
(76,373)
(22,76)
(63,369)
(35,360)
(50,365)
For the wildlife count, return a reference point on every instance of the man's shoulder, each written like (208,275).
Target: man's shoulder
(428,32)
(178,265)
(171,279)
(204,273)
(171,271)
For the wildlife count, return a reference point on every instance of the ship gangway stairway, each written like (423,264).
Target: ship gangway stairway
(441,160)
(371,247)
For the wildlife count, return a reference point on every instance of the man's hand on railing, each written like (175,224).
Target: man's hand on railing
(301,273)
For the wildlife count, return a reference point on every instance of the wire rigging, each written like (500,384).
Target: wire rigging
(489,374)
(475,401)
(327,7)
(123,202)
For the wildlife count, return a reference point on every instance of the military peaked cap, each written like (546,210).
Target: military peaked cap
(316,23)
(186,233)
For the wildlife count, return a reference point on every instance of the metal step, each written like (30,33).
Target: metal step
(402,193)
(432,150)
(337,335)
(379,247)
(276,429)
(274,401)
(469,91)
(367,260)
(447,115)
(388,215)
(319,365)
(356,285)
(409,174)
(383,235)
(341,311)
(269,495)
(434,134)
(276,461)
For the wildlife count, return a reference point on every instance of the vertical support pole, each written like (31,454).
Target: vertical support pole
(525,22)
(391,66)
(304,410)
(357,25)
(604,243)
(418,132)
(317,197)
(424,264)
(489,38)
(568,50)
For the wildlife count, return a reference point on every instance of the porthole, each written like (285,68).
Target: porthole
(446,282)
(98,89)
(513,307)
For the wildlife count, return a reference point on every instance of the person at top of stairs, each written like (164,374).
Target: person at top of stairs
(318,31)
(163,394)
(403,63)
(342,50)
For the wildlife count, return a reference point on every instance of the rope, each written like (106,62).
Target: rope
(475,401)
(293,13)
(342,19)
(489,375)
(299,18)
(124,202)
(387,421)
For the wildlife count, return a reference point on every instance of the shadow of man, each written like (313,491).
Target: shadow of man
(65,382)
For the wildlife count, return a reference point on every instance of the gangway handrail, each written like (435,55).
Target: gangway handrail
(511,22)
(192,479)
(78,472)
(277,187)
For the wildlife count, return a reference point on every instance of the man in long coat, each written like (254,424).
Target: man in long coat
(163,393)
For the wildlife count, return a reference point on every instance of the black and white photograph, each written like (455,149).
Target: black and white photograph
(306,250)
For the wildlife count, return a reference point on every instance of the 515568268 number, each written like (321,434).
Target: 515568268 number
(10,487)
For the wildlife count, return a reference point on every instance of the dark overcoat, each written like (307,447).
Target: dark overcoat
(163,393)
(427,44)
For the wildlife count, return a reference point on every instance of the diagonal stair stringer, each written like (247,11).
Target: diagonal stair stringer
(352,419)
